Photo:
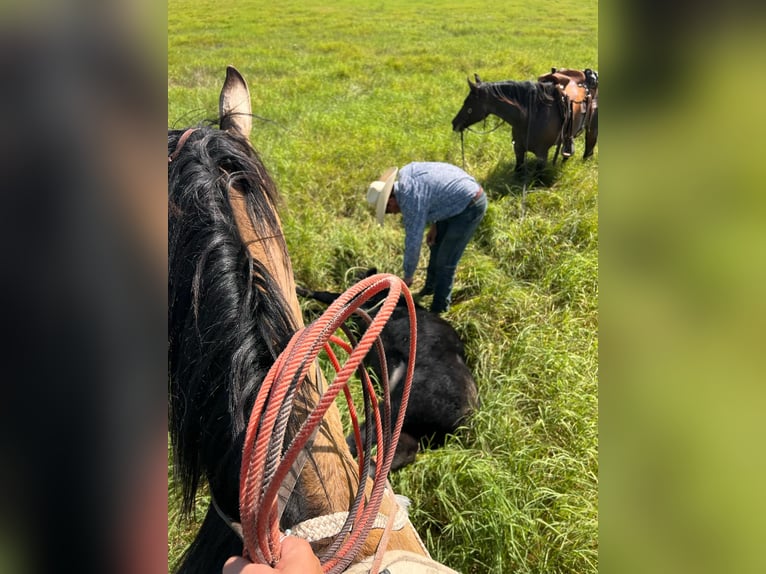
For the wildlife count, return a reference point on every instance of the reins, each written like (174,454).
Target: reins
(468,128)
(462,146)
(530,116)
(265,461)
(499,123)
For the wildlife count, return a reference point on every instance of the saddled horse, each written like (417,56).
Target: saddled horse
(534,110)
(232,309)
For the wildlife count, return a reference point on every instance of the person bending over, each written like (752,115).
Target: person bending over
(439,194)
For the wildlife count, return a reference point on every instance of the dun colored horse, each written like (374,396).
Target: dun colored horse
(232,310)
(535,111)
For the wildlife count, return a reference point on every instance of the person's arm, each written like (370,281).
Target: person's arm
(414,225)
(297,558)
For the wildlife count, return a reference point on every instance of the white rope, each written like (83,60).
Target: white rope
(329,525)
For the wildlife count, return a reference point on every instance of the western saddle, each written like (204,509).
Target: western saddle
(579,97)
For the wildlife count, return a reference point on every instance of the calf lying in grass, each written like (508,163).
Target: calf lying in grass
(443,392)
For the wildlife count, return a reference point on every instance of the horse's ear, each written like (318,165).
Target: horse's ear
(234,108)
(477,78)
(471,85)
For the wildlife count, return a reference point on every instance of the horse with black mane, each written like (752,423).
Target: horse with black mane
(232,309)
(535,110)
(443,393)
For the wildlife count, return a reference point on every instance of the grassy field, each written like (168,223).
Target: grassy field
(351,87)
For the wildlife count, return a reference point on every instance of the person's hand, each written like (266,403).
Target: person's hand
(431,236)
(297,558)
(408,281)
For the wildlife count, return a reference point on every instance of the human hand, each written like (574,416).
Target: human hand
(431,236)
(297,558)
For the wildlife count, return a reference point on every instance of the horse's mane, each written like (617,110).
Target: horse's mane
(227,320)
(521,92)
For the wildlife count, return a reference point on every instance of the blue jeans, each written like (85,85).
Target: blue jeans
(452,236)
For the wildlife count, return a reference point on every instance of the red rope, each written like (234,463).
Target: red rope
(264,465)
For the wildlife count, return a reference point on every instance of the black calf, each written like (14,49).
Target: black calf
(443,391)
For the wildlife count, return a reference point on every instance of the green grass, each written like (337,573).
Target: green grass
(352,87)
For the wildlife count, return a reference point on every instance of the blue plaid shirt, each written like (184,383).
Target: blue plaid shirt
(428,192)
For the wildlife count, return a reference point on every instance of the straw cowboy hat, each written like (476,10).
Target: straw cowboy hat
(380,190)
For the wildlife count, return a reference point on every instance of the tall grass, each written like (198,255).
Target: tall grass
(350,87)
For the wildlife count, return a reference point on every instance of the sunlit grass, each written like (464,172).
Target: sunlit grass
(353,87)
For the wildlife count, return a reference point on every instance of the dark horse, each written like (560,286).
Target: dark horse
(444,392)
(534,110)
(231,309)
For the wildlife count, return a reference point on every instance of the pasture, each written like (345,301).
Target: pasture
(348,88)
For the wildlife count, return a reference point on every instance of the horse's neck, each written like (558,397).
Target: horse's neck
(331,482)
(508,109)
(269,251)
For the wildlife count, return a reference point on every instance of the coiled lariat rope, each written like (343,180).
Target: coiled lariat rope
(265,463)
